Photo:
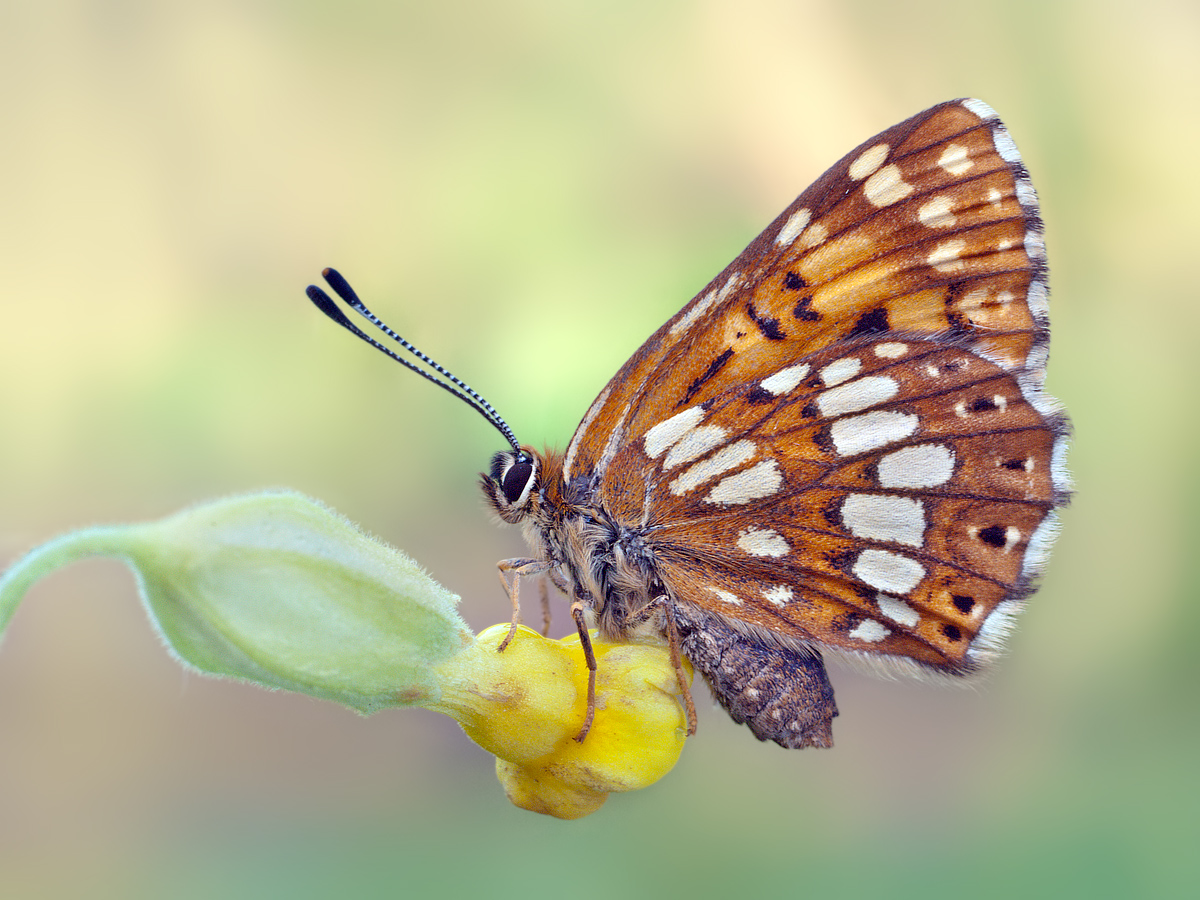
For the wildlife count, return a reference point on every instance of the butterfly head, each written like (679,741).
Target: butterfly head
(512,482)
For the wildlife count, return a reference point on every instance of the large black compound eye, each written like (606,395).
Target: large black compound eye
(517,479)
(515,474)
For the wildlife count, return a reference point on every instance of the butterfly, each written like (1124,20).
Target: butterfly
(841,444)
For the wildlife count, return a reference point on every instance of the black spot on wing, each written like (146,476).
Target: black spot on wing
(832,511)
(958,323)
(963,603)
(873,322)
(842,560)
(983,404)
(804,311)
(824,439)
(994,535)
(768,326)
(713,368)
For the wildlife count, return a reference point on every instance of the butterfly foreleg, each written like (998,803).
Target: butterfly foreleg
(517,567)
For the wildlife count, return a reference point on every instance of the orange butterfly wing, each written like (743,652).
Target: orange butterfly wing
(843,439)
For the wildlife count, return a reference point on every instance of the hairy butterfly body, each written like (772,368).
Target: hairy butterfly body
(842,443)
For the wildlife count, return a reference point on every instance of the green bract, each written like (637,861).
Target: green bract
(277,589)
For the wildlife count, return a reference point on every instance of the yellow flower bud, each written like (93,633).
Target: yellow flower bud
(527,708)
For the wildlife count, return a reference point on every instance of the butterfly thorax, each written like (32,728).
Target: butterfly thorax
(608,565)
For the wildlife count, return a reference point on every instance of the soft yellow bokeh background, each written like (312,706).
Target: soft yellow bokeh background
(527,189)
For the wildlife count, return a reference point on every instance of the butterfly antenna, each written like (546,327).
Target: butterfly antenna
(453,384)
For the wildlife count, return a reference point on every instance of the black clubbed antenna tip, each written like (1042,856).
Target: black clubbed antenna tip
(452,383)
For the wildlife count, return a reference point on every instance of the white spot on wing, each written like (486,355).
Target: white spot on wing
(887,571)
(666,433)
(756,482)
(922,466)
(694,444)
(955,160)
(762,542)
(730,283)
(937,213)
(785,379)
(813,235)
(731,599)
(945,256)
(868,161)
(791,229)
(1012,536)
(891,350)
(858,434)
(616,440)
(780,595)
(722,461)
(886,187)
(860,394)
(870,631)
(841,370)
(898,611)
(897,520)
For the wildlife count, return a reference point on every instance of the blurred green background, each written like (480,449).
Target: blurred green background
(527,189)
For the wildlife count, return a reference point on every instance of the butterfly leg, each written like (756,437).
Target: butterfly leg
(677,663)
(545,595)
(557,579)
(663,604)
(518,567)
(585,641)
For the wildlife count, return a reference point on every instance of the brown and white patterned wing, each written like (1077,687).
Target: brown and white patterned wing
(845,436)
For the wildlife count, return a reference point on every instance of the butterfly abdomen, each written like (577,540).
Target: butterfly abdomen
(780,691)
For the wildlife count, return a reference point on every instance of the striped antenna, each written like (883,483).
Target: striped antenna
(452,383)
